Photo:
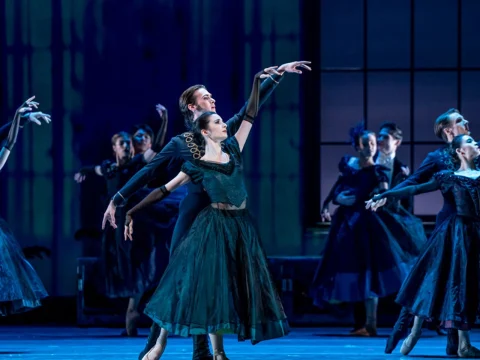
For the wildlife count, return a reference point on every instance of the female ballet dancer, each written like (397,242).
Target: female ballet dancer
(217,280)
(363,259)
(20,287)
(444,282)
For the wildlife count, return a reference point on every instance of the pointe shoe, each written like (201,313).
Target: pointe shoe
(155,353)
(219,355)
(469,352)
(410,342)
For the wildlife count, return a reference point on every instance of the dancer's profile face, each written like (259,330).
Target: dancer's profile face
(469,148)
(367,145)
(216,128)
(459,124)
(122,147)
(203,102)
(142,141)
(387,144)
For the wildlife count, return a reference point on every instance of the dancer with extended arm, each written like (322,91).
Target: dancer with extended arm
(444,282)
(226,287)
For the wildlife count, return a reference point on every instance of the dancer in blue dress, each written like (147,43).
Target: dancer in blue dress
(20,287)
(444,282)
(367,255)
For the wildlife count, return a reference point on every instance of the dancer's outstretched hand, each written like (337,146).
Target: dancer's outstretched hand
(376,202)
(272,70)
(109,216)
(36,118)
(28,105)
(293,67)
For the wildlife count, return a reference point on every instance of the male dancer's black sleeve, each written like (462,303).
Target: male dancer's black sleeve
(424,173)
(159,164)
(170,153)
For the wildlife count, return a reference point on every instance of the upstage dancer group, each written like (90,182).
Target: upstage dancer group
(190,195)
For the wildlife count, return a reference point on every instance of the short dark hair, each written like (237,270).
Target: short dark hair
(186,99)
(443,122)
(393,129)
(144,127)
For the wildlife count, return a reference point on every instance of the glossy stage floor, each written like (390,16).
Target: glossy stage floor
(63,343)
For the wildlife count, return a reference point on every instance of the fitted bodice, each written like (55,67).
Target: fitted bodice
(223,182)
(362,183)
(461,193)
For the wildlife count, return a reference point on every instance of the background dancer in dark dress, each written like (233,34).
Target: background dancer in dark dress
(20,287)
(389,140)
(228,287)
(374,260)
(446,127)
(194,101)
(131,270)
(445,283)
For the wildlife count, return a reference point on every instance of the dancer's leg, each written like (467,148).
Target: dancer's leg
(412,339)
(399,331)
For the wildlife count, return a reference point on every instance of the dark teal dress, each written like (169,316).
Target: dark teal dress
(218,279)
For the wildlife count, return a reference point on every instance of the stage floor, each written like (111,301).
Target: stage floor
(39,343)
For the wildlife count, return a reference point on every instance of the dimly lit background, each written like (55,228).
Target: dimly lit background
(100,66)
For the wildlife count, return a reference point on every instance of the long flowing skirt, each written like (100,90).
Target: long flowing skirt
(444,282)
(20,287)
(218,281)
(364,257)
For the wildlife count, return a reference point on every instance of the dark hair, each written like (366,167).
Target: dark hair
(393,130)
(443,122)
(454,145)
(144,127)
(121,134)
(201,124)
(186,99)
(357,132)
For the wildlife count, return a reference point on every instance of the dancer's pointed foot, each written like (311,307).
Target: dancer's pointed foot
(219,355)
(410,342)
(156,352)
(469,351)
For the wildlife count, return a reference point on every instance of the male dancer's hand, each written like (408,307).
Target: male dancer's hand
(291,67)
(110,216)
